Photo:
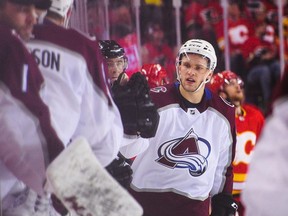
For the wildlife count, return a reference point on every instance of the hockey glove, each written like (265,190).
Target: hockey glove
(138,113)
(120,171)
(223,205)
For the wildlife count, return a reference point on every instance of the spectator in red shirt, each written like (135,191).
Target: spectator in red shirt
(262,62)
(156,51)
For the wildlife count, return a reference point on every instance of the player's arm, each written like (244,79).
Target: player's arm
(133,147)
(222,201)
(100,123)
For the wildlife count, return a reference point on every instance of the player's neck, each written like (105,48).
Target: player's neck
(238,110)
(192,97)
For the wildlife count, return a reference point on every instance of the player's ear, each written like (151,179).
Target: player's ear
(209,76)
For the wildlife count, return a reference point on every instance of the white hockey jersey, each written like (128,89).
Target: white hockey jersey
(265,192)
(192,151)
(27,140)
(76,91)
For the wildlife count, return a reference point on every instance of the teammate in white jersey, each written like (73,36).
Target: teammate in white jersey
(190,158)
(266,188)
(27,140)
(76,88)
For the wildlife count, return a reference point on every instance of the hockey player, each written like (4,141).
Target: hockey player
(249,122)
(77,94)
(27,140)
(190,158)
(117,63)
(116,60)
(265,192)
(131,95)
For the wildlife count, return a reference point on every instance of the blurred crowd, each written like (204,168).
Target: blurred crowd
(252,36)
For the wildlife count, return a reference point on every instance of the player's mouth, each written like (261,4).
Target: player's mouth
(190,81)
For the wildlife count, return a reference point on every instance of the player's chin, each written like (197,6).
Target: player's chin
(190,88)
(190,85)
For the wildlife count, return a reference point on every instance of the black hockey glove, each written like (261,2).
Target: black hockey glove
(138,113)
(223,205)
(121,171)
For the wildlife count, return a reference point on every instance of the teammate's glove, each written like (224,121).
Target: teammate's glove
(121,171)
(138,113)
(223,205)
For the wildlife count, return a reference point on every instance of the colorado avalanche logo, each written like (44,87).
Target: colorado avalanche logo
(189,152)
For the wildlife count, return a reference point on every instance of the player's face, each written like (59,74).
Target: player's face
(19,17)
(115,67)
(193,70)
(234,90)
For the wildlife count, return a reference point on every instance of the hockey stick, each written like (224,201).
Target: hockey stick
(85,187)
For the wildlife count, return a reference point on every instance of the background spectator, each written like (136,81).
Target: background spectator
(156,50)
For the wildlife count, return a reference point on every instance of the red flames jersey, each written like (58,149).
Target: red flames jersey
(248,129)
(238,33)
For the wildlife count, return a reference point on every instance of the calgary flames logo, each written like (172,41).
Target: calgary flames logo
(188,152)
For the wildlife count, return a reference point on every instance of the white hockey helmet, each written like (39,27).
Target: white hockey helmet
(201,47)
(61,7)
